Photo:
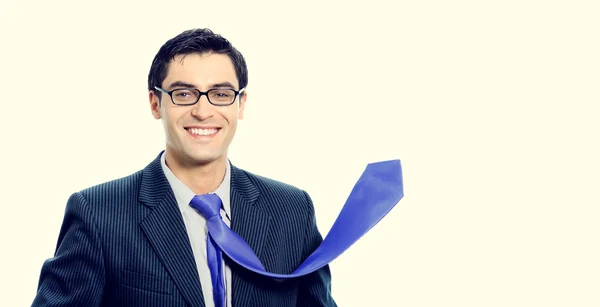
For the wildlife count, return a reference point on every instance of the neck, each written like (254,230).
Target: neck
(201,178)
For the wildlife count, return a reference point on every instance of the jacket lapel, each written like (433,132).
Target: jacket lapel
(250,219)
(166,231)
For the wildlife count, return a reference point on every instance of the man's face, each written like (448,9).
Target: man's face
(198,134)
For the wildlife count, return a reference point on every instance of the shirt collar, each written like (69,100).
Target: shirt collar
(184,195)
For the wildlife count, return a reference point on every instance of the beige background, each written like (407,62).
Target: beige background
(491,106)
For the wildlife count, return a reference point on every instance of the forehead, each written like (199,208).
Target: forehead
(201,70)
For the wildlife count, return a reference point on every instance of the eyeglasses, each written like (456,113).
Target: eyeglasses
(190,96)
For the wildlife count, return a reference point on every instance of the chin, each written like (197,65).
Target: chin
(204,158)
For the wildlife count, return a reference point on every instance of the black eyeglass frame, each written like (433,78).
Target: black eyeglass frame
(200,94)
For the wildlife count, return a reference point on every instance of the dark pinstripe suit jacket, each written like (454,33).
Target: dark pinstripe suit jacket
(123,243)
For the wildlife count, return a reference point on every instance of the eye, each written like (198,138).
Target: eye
(222,93)
(184,95)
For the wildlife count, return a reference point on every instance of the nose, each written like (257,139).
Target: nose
(202,109)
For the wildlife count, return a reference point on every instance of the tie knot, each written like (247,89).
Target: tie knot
(208,205)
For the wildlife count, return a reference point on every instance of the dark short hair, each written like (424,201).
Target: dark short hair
(195,41)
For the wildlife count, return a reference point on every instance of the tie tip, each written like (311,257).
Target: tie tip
(391,170)
(386,163)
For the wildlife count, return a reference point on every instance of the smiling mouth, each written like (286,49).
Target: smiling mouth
(202,132)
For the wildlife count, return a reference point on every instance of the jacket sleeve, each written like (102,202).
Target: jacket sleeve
(75,275)
(315,288)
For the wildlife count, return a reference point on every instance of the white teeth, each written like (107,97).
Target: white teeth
(202,131)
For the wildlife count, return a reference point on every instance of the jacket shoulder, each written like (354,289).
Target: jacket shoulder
(267,184)
(114,188)
(281,196)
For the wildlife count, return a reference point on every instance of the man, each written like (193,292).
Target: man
(136,241)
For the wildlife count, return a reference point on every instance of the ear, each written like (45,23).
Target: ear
(242,105)
(154,104)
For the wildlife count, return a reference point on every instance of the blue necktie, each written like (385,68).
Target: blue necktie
(376,192)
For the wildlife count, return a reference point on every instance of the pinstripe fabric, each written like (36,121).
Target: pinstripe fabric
(123,243)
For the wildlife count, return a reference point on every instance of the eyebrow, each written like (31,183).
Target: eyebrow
(222,84)
(188,85)
(180,84)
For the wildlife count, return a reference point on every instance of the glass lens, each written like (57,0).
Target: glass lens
(221,96)
(185,96)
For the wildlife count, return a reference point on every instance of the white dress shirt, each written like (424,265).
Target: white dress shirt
(195,224)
